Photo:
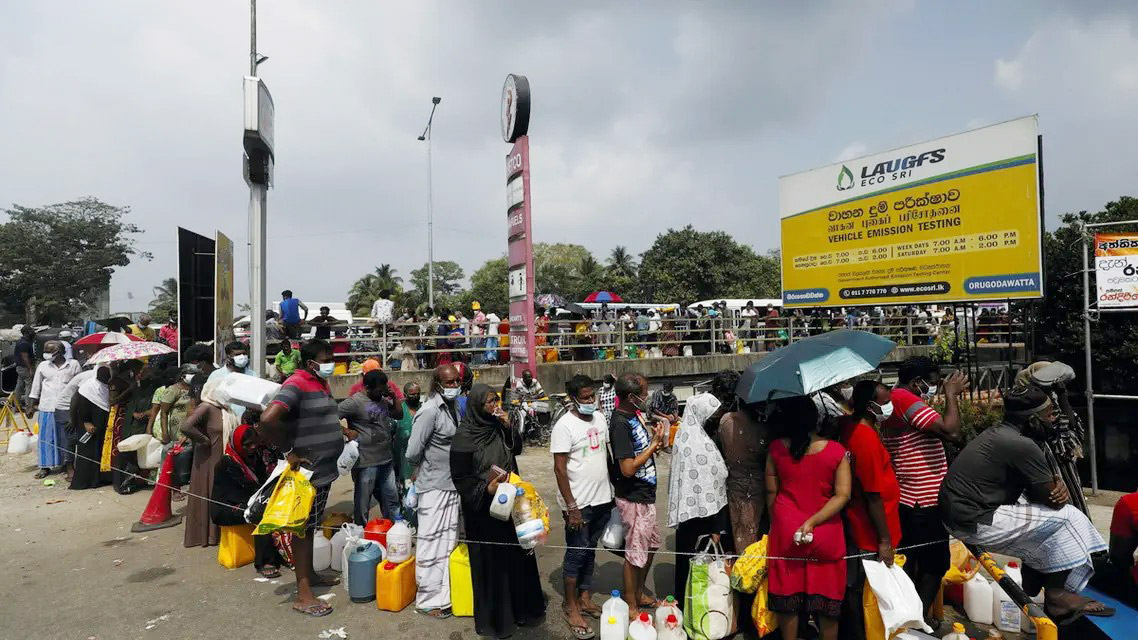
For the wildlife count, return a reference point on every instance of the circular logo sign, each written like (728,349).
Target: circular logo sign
(515,107)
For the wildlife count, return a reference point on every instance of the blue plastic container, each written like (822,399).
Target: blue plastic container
(361,572)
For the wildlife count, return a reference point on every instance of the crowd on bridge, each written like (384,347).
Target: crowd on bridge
(858,470)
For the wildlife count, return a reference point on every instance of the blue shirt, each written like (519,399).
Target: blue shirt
(290,311)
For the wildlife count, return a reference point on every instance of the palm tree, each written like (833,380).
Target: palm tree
(365,290)
(621,262)
(588,269)
(165,303)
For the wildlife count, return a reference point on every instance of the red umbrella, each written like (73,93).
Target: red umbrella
(603,296)
(106,338)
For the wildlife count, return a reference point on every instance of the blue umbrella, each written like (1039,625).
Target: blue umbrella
(812,364)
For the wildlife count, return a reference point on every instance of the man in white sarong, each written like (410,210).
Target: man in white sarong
(1002,493)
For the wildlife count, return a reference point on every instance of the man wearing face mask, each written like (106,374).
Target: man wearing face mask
(580,465)
(371,416)
(428,452)
(980,500)
(236,361)
(412,401)
(664,405)
(914,435)
(302,420)
(51,376)
(606,396)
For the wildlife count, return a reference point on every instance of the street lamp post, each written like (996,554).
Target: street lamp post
(426,135)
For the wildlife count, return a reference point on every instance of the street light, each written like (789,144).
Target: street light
(426,135)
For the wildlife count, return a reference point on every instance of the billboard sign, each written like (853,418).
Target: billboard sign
(520,257)
(1116,270)
(223,296)
(953,219)
(196,318)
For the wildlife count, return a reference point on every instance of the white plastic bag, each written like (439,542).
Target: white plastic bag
(255,507)
(135,442)
(348,457)
(150,455)
(897,598)
(411,497)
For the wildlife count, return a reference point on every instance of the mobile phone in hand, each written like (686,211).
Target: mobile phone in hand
(83,439)
(499,472)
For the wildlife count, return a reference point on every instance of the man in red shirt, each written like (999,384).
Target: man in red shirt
(914,435)
(1121,578)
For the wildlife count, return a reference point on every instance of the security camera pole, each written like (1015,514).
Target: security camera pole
(258,143)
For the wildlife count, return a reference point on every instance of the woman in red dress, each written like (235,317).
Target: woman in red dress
(808,483)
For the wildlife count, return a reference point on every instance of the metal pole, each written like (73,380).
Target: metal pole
(1087,352)
(249,227)
(258,209)
(430,226)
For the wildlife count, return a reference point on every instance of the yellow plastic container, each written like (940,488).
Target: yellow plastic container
(341,368)
(395,585)
(461,584)
(236,547)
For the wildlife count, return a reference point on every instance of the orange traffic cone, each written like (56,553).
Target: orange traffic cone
(158,514)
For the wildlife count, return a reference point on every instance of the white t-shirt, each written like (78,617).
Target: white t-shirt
(585,442)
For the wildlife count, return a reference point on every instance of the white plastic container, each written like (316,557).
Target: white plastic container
(614,618)
(978,600)
(641,628)
(502,506)
(613,535)
(669,608)
(150,455)
(250,392)
(398,542)
(530,533)
(1005,614)
(672,629)
(321,553)
(957,633)
(19,443)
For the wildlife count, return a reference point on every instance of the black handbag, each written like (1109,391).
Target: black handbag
(183,464)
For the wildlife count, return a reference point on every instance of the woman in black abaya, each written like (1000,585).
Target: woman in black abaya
(507,588)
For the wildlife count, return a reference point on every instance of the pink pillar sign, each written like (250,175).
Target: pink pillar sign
(520,243)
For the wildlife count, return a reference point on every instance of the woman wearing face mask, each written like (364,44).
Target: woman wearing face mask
(175,405)
(89,409)
(208,427)
(871,518)
(507,587)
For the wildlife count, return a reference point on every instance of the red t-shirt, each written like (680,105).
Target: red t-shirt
(918,456)
(1124,522)
(874,474)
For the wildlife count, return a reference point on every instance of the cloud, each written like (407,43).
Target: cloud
(851,151)
(1009,74)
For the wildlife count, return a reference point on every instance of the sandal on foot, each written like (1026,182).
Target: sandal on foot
(270,572)
(581,632)
(437,614)
(315,610)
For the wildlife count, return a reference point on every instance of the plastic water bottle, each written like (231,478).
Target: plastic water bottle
(957,632)
(398,542)
(613,535)
(673,629)
(665,611)
(614,618)
(641,628)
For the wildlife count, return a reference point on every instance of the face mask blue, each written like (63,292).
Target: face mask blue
(587,409)
(326,370)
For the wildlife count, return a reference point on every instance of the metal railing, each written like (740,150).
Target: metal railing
(429,343)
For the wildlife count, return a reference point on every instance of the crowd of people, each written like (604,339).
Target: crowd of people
(857,470)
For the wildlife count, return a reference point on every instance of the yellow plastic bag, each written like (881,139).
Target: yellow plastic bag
(289,504)
(461,583)
(236,546)
(751,569)
(874,625)
(765,620)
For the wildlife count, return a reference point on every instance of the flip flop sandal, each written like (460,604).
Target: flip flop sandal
(317,610)
(437,614)
(43,473)
(581,632)
(270,572)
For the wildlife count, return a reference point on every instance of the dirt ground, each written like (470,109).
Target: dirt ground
(74,570)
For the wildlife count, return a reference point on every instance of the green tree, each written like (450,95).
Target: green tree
(57,258)
(448,277)
(1059,329)
(621,262)
(165,303)
(686,265)
(366,290)
(489,286)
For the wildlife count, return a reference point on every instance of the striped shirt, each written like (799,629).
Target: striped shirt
(313,424)
(918,455)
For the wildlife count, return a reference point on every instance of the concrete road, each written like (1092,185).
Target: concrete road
(72,569)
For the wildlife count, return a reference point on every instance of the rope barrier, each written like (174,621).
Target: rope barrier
(458,540)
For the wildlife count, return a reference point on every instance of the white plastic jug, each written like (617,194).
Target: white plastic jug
(978,600)
(957,632)
(321,553)
(19,443)
(669,608)
(673,629)
(1005,613)
(614,618)
(641,628)
(502,506)
(398,542)
(150,455)
(613,535)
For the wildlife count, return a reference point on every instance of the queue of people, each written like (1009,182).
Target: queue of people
(857,470)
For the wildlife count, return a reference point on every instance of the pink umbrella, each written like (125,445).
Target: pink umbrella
(129,351)
(103,338)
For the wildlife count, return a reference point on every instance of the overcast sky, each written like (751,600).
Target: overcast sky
(645,115)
